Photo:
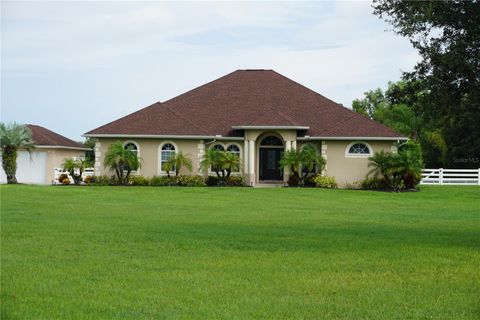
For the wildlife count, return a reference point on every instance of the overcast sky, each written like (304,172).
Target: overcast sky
(73,66)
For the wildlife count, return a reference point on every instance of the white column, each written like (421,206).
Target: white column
(294,144)
(98,159)
(200,155)
(288,145)
(325,156)
(245,156)
(251,160)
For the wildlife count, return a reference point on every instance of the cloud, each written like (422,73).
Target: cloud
(108,59)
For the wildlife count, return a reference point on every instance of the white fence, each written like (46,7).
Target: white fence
(451,176)
(59,171)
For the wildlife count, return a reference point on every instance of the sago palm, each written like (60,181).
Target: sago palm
(407,165)
(14,137)
(122,160)
(230,162)
(177,162)
(213,159)
(311,158)
(380,163)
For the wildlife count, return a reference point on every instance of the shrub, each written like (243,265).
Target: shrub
(189,181)
(310,181)
(231,181)
(375,184)
(88,179)
(235,181)
(212,181)
(161,181)
(325,182)
(292,181)
(103,181)
(62,177)
(138,181)
(65,181)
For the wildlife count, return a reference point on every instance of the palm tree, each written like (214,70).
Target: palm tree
(220,162)
(291,160)
(72,166)
(13,137)
(230,162)
(213,159)
(407,166)
(177,162)
(122,160)
(308,158)
(381,163)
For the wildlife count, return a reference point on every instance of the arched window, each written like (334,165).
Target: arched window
(218,147)
(271,141)
(135,149)
(132,146)
(358,149)
(234,149)
(167,152)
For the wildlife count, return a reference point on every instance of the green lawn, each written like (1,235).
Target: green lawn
(239,253)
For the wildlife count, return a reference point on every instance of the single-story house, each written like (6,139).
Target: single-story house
(51,150)
(257,114)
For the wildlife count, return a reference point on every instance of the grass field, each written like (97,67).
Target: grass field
(239,253)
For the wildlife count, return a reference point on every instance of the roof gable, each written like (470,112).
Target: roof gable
(44,137)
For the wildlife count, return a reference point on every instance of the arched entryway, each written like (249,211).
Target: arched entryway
(270,152)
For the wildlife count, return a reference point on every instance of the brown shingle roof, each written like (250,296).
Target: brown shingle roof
(44,137)
(246,97)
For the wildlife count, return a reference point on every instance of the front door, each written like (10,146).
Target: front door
(270,168)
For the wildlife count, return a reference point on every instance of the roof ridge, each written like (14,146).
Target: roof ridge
(200,86)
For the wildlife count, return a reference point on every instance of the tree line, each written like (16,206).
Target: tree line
(438,102)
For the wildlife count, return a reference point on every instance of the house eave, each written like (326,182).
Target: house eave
(353,138)
(270,127)
(159,136)
(62,147)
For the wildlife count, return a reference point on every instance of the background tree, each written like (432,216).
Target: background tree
(89,154)
(401,107)
(122,160)
(447,37)
(14,137)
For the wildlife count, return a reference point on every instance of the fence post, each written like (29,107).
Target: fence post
(478,177)
(440,176)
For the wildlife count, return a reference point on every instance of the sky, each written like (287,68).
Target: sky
(73,66)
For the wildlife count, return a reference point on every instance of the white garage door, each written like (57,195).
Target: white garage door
(31,168)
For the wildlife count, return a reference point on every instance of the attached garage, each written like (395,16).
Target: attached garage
(52,149)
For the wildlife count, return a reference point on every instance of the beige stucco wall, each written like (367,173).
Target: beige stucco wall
(349,169)
(149,152)
(345,169)
(56,157)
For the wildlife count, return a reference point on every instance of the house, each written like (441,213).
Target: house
(51,150)
(257,114)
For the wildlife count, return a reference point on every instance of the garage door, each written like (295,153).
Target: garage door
(30,168)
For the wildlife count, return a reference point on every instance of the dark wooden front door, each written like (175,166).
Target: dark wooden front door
(270,168)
